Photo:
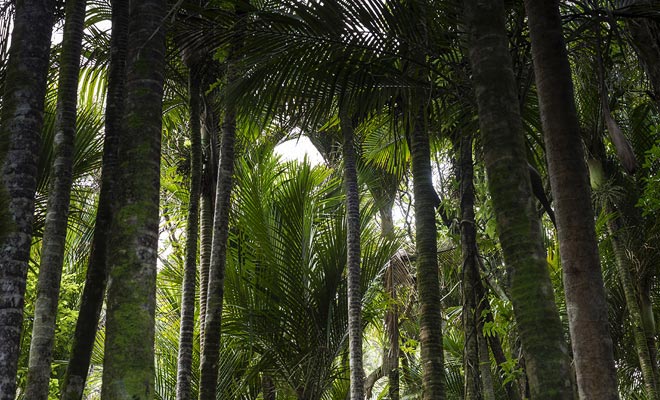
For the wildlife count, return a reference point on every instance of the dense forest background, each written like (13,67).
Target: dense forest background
(482,223)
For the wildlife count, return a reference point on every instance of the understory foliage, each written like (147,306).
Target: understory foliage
(395,69)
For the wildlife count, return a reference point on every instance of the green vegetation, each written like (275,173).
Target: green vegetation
(482,223)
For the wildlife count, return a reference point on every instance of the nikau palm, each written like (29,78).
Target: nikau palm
(128,368)
(97,268)
(583,282)
(545,352)
(353,254)
(185,366)
(303,268)
(215,291)
(52,253)
(20,122)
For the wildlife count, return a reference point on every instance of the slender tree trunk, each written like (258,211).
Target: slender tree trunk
(128,368)
(392,329)
(209,133)
(428,282)
(639,333)
(495,345)
(475,301)
(213,321)
(390,365)
(187,326)
(470,270)
(487,387)
(583,282)
(518,226)
(353,253)
(648,320)
(95,281)
(54,239)
(20,123)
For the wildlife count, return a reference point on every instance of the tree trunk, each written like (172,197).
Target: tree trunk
(128,368)
(509,182)
(583,282)
(213,320)
(392,328)
(95,281)
(20,123)
(353,253)
(428,282)
(639,333)
(487,387)
(470,271)
(206,206)
(493,342)
(54,239)
(187,324)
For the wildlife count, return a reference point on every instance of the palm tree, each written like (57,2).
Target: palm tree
(95,281)
(427,263)
(213,318)
(128,368)
(54,238)
(20,124)
(518,227)
(353,254)
(583,281)
(286,286)
(206,206)
(192,226)
(470,276)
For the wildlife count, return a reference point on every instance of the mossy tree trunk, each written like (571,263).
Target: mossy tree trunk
(20,123)
(353,255)
(583,282)
(128,367)
(95,280)
(518,226)
(57,213)
(187,324)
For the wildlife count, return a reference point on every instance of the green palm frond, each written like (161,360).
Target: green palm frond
(86,160)
(286,287)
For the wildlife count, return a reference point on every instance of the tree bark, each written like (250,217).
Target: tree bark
(509,183)
(487,387)
(95,280)
(428,282)
(54,239)
(471,360)
(20,123)
(353,256)
(213,324)
(128,368)
(583,282)
(392,328)
(206,206)
(187,324)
